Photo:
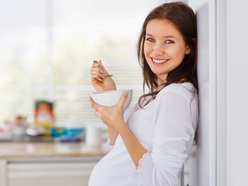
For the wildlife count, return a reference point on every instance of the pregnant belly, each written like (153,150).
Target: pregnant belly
(116,168)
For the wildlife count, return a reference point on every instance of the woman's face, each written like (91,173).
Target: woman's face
(164,47)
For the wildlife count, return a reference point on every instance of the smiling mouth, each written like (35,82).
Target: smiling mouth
(159,60)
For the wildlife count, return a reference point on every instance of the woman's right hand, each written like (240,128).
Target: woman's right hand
(99,82)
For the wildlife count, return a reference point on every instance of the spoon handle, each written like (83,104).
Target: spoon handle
(98,66)
(104,75)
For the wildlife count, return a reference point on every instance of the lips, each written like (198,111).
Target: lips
(158,61)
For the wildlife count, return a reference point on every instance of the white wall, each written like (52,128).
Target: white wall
(222,152)
(221,92)
(205,149)
(202,175)
(237,92)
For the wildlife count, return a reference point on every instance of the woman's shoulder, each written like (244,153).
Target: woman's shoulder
(186,89)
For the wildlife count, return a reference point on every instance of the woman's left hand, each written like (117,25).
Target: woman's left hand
(111,116)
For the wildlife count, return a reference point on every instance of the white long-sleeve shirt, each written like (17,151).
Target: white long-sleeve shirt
(165,128)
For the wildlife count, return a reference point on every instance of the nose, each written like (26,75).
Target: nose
(158,49)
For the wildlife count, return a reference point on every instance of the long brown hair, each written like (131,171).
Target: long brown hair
(183,17)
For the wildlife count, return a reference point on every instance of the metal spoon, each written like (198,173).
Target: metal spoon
(103,73)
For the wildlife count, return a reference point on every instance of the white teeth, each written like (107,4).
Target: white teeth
(159,61)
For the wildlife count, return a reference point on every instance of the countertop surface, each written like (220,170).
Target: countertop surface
(46,150)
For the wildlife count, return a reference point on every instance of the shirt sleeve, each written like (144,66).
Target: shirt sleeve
(174,133)
(109,145)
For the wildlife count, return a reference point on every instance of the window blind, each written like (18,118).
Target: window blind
(47,48)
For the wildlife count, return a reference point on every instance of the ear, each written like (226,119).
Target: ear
(187,50)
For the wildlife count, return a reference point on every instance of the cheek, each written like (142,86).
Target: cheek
(179,53)
(147,51)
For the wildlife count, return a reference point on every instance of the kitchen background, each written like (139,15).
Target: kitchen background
(47,48)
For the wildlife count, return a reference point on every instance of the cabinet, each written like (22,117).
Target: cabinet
(47,164)
(49,174)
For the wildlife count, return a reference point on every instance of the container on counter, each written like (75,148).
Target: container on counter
(43,114)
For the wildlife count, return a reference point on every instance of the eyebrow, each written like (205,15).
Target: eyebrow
(164,36)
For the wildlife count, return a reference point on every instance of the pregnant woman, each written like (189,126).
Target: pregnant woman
(150,147)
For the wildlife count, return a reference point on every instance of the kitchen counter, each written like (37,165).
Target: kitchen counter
(63,162)
(46,150)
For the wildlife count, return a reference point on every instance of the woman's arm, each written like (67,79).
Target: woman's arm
(135,149)
(101,83)
(113,118)
(112,135)
(174,118)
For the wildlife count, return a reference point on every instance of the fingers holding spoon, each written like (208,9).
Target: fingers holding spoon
(103,73)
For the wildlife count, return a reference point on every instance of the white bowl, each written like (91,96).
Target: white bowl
(112,97)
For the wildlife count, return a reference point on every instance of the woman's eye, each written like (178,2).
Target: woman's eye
(169,42)
(150,39)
